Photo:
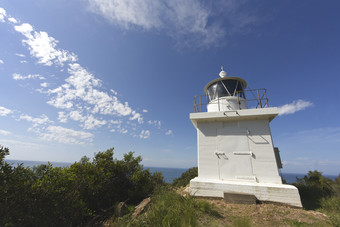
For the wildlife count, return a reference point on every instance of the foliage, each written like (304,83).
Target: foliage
(313,188)
(331,206)
(168,208)
(82,194)
(185,178)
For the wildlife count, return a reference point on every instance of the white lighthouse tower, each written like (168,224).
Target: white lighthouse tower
(235,150)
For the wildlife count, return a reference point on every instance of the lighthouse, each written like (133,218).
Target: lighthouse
(236,154)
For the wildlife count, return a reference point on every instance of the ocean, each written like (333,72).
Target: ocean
(169,173)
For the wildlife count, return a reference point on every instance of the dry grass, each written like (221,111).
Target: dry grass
(262,215)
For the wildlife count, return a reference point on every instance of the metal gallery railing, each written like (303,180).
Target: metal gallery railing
(256,98)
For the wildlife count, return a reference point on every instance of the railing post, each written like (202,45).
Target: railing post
(265,96)
(200,103)
(258,95)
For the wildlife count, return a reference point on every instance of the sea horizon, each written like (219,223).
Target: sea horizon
(169,173)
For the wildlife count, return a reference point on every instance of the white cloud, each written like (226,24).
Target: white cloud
(65,135)
(4,132)
(145,111)
(81,96)
(17,76)
(36,121)
(145,134)
(155,122)
(82,86)
(136,116)
(44,84)
(115,122)
(123,131)
(20,144)
(42,46)
(190,22)
(128,13)
(114,92)
(1,61)
(76,116)
(2,14)
(168,133)
(91,122)
(62,117)
(23,61)
(295,106)
(13,20)
(4,111)
(20,55)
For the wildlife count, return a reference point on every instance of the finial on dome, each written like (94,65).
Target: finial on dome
(222,73)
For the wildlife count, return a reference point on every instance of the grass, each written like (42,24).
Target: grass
(171,209)
(331,206)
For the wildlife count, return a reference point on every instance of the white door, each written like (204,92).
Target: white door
(233,155)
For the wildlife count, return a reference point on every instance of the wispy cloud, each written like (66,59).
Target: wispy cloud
(66,135)
(79,98)
(189,23)
(2,14)
(12,20)
(43,47)
(168,133)
(20,55)
(43,119)
(1,61)
(155,122)
(4,111)
(294,107)
(44,84)
(17,76)
(4,132)
(145,134)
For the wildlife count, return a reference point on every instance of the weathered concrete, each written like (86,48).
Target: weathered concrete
(266,192)
(239,198)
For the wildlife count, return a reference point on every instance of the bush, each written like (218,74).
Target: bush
(82,194)
(331,206)
(185,178)
(168,208)
(313,188)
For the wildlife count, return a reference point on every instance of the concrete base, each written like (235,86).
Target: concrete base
(265,192)
(239,198)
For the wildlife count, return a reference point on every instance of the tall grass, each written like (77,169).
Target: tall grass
(171,209)
(331,206)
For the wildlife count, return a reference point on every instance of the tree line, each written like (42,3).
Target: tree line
(82,194)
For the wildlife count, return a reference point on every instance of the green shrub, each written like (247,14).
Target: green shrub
(83,194)
(313,188)
(331,206)
(185,178)
(168,208)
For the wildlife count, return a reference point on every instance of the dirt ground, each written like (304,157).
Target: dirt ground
(262,215)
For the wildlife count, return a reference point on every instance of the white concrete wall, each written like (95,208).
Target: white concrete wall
(234,137)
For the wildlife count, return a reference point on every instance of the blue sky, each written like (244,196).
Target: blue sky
(83,76)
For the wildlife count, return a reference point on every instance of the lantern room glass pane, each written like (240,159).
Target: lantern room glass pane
(218,89)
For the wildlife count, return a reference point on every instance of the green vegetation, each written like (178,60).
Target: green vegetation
(87,194)
(320,193)
(185,178)
(83,194)
(168,208)
(313,188)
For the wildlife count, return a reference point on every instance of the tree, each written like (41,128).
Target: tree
(313,188)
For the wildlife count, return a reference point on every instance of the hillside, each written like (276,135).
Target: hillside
(173,207)
(263,215)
